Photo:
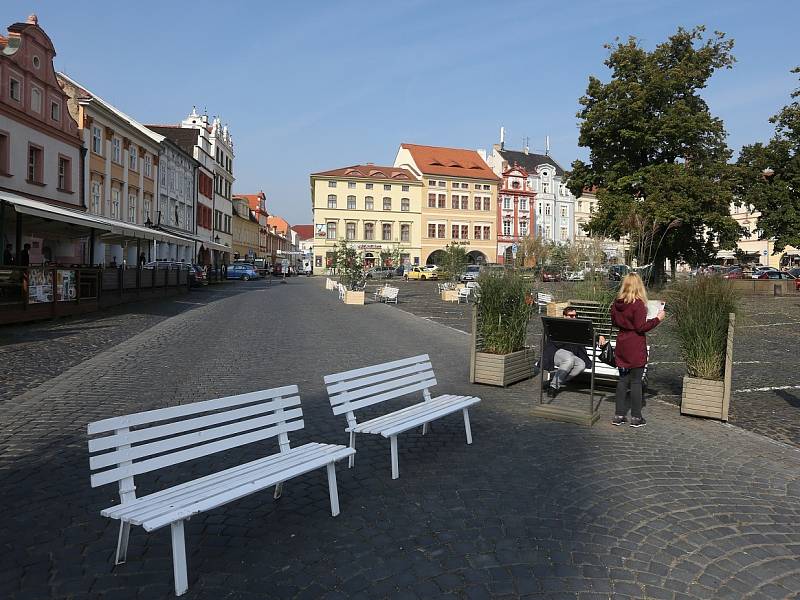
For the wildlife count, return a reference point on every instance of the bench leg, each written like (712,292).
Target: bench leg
(424,428)
(278,491)
(332,489)
(179,558)
(395,465)
(352,459)
(122,542)
(467,428)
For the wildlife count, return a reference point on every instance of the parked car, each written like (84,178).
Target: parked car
(550,275)
(757,271)
(242,271)
(733,273)
(471,273)
(399,271)
(617,272)
(575,276)
(420,273)
(796,274)
(197,276)
(775,275)
(380,273)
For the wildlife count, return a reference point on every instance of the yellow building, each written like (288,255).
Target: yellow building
(376,209)
(757,250)
(459,200)
(245,230)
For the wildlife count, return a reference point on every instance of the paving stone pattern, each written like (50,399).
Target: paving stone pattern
(765,356)
(684,508)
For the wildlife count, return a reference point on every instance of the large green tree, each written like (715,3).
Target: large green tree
(768,178)
(658,156)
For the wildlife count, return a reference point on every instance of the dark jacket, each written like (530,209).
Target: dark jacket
(550,349)
(632,322)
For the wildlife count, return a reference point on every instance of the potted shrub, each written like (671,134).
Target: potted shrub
(351,273)
(500,328)
(703,313)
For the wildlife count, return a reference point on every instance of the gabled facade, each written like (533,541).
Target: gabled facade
(516,216)
(555,204)
(459,200)
(258,204)
(40,144)
(245,230)
(375,209)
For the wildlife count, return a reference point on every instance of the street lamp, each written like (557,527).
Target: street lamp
(216,239)
(148,223)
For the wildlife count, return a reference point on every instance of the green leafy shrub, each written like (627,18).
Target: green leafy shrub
(699,311)
(504,308)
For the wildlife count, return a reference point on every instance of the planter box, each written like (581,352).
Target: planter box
(351,297)
(554,309)
(503,369)
(703,398)
(450,295)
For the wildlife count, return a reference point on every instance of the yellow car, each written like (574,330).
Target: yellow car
(420,273)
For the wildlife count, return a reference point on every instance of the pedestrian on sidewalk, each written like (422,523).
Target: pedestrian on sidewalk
(629,315)
(8,255)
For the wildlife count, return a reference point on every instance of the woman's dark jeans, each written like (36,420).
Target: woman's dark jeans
(630,384)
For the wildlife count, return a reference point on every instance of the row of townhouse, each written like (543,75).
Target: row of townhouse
(434,196)
(83,183)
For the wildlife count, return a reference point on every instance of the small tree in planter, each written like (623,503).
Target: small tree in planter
(454,261)
(350,268)
(500,327)
(704,312)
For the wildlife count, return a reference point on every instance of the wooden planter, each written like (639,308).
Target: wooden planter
(450,295)
(554,309)
(706,397)
(351,297)
(503,369)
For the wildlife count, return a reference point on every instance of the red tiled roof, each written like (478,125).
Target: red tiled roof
(304,232)
(281,224)
(453,162)
(370,172)
(253,200)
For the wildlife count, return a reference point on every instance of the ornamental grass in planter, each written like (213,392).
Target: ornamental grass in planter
(500,327)
(703,314)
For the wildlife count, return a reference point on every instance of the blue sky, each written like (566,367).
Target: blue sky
(316,85)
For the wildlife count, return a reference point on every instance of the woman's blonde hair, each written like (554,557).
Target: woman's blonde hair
(632,289)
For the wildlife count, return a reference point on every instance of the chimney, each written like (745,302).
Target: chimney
(502,138)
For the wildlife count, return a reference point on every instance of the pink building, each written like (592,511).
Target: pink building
(515,211)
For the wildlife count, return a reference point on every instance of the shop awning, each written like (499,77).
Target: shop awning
(200,240)
(110,227)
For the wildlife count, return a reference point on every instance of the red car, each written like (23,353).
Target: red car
(780,275)
(733,273)
(551,276)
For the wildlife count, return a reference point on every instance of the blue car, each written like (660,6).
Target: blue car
(243,272)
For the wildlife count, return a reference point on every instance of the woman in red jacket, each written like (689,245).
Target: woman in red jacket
(629,314)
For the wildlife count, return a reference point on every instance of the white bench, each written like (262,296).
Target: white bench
(139,444)
(542,300)
(390,294)
(352,390)
(463,294)
(342,291)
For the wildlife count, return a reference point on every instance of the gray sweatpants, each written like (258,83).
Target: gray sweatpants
(568,366)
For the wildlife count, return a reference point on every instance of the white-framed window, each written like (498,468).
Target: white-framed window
(331,183)
(564,211)
(523,228)
(506,227)
(431,200)
(132,208)
(116,150)
(432,182)
(350,231)
(368,186)
(442,183)
(331,201)
(351,185)
(477,186)
(36,100)
(351,203)
(523,204)
(331,230)
(405,232)
(64,174)
(55,111)
(405,204)
(387,187)
(369,203)
(464,202)
(545,187)
(369,231)
(15,89)
(477,231)
(148,166)
(454,201)
(506,203)
(115,203)
(386,231)
(548,232)
(188,226)
(487,232)
(147,207)
(404,188)
(95,206)
(487,203)
(564,234)
(133,158)
(97,140)
(547,210)
(387,204)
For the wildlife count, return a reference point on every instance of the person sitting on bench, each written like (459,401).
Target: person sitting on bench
(567,360)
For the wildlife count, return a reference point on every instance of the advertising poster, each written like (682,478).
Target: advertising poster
(65,286)
(321,230)
(40,286)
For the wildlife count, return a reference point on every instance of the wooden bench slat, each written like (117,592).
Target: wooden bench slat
(175,458)
(354,373)
(172,412)
(343,386)
(196,437)
(358,404)
(157,431)
(358,393)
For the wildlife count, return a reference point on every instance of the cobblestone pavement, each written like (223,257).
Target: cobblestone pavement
(30,354)
(766,374)
(684,508)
